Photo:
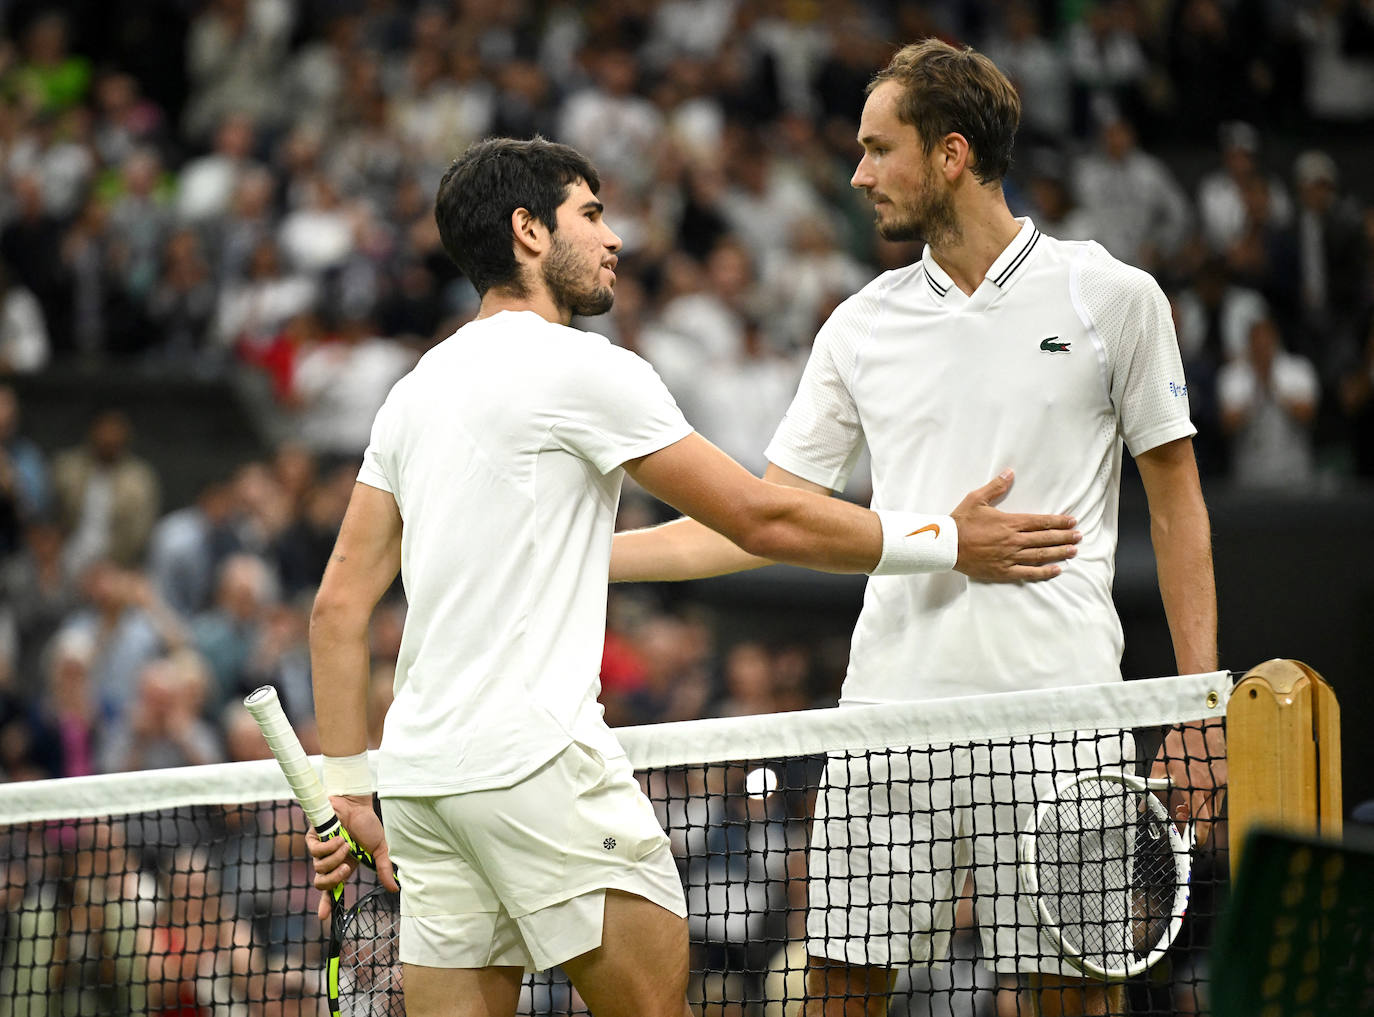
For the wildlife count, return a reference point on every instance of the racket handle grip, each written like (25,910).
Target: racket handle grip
(295,765)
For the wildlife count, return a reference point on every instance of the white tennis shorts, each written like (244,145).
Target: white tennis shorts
(518,875)
(897,834)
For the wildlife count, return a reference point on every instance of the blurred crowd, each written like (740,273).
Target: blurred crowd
(236,188)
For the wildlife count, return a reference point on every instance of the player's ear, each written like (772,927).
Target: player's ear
(955,155)
(530,234)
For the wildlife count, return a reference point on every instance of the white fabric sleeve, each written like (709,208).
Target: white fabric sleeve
(820,437)
(615,408)
(374,471)
(1128,313)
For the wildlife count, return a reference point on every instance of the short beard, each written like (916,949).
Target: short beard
(564,275)
(933,221)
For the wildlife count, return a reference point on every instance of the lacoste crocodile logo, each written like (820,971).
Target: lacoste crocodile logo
(1052,345)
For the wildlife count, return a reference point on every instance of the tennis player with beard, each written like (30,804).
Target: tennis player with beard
(999,346)
(491,484)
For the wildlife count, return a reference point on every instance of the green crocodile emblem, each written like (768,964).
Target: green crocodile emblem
(1051,345)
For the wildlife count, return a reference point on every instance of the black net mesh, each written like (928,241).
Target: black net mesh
(207,910)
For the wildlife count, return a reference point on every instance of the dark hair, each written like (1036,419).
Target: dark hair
(946,90)
(485,185)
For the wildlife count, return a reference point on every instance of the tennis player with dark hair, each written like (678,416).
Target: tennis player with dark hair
(1000,346)
(491,483)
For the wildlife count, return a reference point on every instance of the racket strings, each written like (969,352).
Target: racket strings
(369,963)
(1107,872)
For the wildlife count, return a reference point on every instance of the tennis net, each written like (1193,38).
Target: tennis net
(843,833)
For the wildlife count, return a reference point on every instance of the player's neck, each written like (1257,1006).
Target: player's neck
(495,301)
(986,227)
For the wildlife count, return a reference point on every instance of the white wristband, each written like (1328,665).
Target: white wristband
(915,543)
(348,775)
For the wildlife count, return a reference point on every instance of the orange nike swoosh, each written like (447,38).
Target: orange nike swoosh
(933,527)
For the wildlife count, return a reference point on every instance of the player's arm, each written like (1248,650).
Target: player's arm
(365,560)
(993,545)
(1182,538)
(688,549)
(1193,755)
(798,525)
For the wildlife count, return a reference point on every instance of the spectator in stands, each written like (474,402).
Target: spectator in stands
(1037,68)
(36,594)
(1332,259)
(206,185)
(182,307)
(302,550)
(23,332)
(141,219)
(1052,200)
(1108,64)
(262,509)
(445,102)
(1141,213)
(129,626)
(107,497)
(49,77)
(125,120)
(164,726)
(749,681)
(187,546)
(1215,315)
(1339,63)
(676,684)
(765,198)
(609,120)
(253,312)
(31,246)
(234,54)
(342,383)
(250,221)
(21,459)
(228,634)
(1222,202)
(796,282)
(1268,401)
(320,234)
(736,404)
(67,711)
(104,321)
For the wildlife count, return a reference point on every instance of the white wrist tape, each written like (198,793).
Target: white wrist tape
(914,542)
(348,775)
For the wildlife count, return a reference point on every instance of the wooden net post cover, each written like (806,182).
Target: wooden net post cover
(1283,748)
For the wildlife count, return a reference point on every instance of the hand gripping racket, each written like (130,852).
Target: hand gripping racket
(1107,872)
(364,971)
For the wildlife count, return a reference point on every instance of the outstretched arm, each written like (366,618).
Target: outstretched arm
(740,522)
(994,546)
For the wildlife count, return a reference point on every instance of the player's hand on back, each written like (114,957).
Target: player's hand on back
(333,859)
(1010,547)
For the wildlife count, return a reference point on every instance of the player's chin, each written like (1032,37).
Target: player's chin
(597,301)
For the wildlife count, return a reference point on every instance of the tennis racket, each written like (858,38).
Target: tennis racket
(1107,872)
(364,971)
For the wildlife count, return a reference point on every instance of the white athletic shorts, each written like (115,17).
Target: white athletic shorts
(896,835)
(518,875)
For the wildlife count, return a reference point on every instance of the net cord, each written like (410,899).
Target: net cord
(1141,703)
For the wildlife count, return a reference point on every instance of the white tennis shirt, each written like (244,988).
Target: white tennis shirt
(1057,357)
(503,450)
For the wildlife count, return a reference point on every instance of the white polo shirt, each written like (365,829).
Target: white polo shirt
(503,449)
(1057,357)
